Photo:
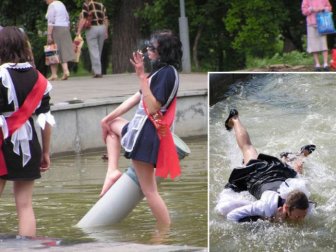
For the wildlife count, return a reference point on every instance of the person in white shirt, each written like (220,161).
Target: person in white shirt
(272,207)
(59,33)
(280,195)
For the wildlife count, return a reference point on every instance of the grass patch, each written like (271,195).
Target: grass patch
(78,69)
(294,58)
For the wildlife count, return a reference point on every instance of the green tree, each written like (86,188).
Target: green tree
(205,26)
(222,33)
(294,28)
(256,25)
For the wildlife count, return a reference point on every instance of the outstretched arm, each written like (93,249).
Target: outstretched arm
(264,208)
(120,110)
(123,108)
(243,213)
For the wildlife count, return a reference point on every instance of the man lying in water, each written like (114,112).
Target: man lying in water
(263,176)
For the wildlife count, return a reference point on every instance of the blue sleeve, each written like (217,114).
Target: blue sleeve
(162,84)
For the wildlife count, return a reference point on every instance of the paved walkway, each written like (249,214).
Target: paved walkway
(84,88)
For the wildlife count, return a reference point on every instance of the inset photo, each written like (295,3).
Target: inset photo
(271,164)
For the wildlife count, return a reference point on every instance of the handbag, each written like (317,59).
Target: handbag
(77,46)
(333,59)
(325,23)
(51,54)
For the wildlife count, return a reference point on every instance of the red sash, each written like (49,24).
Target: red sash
(19,117)
(167,162)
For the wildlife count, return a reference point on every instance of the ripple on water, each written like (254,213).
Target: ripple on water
(64,195)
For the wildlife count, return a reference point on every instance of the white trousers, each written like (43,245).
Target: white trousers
(95,37)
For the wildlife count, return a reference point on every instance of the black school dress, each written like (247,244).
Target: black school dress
(24,79)
(261,174)
(147,145)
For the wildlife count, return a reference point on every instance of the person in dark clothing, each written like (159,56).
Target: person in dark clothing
(262,176)
(23,91)
(94,12)
(143,138)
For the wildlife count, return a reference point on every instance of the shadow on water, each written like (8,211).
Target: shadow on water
(71,187)
(282,112)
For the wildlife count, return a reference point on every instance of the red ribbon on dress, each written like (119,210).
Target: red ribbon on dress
(167,162)
(19,117)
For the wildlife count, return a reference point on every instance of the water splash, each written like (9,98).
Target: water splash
(282,112)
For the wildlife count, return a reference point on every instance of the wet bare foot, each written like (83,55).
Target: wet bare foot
(110,179)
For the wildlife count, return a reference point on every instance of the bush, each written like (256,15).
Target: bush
(37,43)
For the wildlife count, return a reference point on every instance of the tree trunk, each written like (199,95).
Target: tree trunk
(288,45)
(126,36)
(292,41)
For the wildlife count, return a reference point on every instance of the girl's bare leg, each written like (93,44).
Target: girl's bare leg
(325,58)
(23,192)
(66,72)
(146,175)
(113,153)
(2,186)
(243,140)
(316,59)
(53,69)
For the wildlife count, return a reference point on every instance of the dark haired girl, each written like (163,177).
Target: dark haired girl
(148,132)
(23,91)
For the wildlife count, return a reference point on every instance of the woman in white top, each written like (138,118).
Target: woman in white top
(59,33)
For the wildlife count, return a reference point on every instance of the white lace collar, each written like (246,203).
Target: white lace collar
(7,80)
(16,65)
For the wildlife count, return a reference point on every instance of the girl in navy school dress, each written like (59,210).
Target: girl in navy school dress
(24,158)
(139,137)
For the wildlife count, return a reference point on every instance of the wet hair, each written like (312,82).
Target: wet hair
(169,48)
(14,46)
(297,200)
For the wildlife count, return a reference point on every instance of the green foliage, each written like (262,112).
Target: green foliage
(256,25)
(204,19)
(224,34)
(156,17)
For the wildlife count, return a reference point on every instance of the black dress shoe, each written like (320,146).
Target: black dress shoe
(233,112)
(308,148)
